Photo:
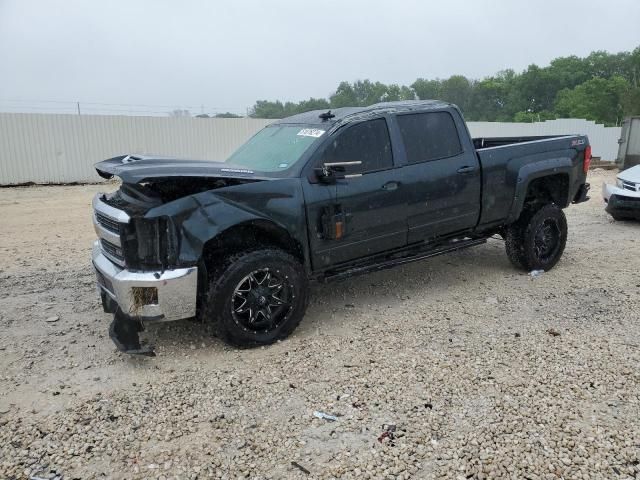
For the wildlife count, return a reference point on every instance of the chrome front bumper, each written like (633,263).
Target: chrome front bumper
(176,289)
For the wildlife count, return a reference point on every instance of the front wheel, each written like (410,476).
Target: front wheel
(257,297)
(537,239)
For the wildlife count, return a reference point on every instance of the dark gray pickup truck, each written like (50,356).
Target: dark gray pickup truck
(320,196)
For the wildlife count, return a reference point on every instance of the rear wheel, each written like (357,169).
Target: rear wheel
(537,240)
(257,297)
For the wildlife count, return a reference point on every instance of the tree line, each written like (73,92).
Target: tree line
(603,86)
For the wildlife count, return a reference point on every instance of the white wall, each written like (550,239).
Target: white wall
(46,148)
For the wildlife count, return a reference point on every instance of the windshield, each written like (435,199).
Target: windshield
(276,148)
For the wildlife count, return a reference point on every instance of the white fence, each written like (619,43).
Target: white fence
(604,140)
(45,148)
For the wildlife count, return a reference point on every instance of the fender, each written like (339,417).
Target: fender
(203,216)
(533,171)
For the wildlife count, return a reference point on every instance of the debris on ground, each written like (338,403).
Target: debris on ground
(300,467)
(388,432)
(325,416)
(553,332)
(535,273)
(52,319)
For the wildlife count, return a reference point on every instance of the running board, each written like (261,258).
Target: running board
(358,270)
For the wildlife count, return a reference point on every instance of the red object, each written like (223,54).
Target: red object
(587,159)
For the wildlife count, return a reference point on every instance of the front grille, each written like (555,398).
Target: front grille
(630,186)
(113,250)
(108,223)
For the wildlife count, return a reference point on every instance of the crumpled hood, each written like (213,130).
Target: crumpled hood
(631,174)
(141,168)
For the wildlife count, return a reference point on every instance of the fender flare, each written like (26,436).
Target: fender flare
(532,171)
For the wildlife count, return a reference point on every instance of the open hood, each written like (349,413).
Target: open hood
(142,168)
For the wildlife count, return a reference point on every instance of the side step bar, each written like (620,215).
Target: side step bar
(389,263)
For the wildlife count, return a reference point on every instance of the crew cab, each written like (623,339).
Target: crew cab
(320,196)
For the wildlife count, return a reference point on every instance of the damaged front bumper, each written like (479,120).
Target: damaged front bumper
(146,296)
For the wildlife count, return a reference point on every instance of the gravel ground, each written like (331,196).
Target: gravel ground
(484,371)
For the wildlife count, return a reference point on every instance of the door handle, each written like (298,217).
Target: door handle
(466,169)
(390,186)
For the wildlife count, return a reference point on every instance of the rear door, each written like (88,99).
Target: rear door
(371,206)
(441,177)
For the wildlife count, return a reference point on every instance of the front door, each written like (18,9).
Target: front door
(362,215)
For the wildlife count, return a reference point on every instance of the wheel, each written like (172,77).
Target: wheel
(256,297)
(537,239)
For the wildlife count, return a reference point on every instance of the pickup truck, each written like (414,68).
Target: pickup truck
(320,196)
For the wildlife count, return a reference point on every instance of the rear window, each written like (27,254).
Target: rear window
(429,136)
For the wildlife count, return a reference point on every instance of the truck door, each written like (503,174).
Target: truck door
(362,215)
(441,177)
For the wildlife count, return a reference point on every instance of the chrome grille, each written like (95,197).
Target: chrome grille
(108,223)
(113,251)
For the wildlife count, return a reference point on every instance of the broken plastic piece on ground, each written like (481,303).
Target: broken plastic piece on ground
(124,333)
(301,468)
(325,416)
(387,433)
(553,332)
(536,273)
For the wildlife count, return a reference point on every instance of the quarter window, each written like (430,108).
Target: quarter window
(429,136)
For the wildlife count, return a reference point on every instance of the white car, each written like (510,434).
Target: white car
(623,198)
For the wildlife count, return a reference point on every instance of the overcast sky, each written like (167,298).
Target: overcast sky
(226,54)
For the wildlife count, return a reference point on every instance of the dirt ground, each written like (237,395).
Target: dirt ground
(484,371)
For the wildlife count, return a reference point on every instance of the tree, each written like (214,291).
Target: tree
(598,99)
(427,89)
(267,109)
(491,98)
(363,93)
(457,89)
(601,87)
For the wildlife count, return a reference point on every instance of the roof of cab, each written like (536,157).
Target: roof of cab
(346,114)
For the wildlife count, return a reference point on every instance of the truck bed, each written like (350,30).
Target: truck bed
(505,160)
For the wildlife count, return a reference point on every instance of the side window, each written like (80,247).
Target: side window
(429,136)
(367,142)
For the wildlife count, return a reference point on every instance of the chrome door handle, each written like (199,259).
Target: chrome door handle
(466,169)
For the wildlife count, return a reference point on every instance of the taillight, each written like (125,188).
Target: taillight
(587,159)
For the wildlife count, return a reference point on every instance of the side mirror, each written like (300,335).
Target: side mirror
(330,172)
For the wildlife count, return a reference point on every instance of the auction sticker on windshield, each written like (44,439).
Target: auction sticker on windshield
(311,132)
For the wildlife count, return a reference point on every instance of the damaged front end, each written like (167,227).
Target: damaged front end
(152,232)
(140,275)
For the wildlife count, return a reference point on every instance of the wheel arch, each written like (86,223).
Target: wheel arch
(541,183)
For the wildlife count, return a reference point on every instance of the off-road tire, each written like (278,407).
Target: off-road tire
(520,238)
(224,280)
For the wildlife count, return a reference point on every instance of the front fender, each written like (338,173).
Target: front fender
(201,217)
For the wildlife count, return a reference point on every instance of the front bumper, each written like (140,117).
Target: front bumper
(174,298)
(620,202)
